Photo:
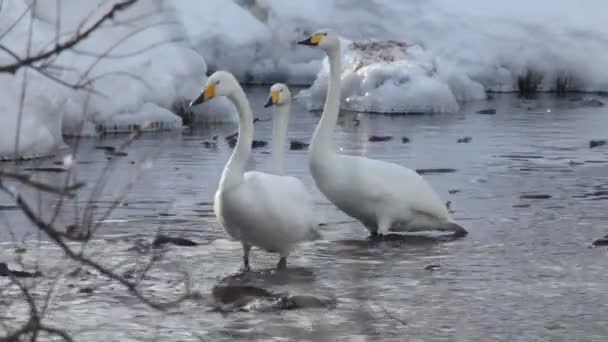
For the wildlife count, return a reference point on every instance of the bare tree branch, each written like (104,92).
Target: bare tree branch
(70,43)
(57,237)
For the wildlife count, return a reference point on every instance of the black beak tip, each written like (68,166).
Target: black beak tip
(197,101)
(306,42)
(268,103)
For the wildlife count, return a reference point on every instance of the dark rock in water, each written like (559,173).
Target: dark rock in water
(601,242)
(304,302)
(239,298)
(234,293)
(453,191)
(163,240)
(377,138)
(526,205)
(211,144)
(432,267)
(535,196)
(489,111)
(232,139)
(77,232)
(258,143)
(118,153)
(591,102)
(464,140)
(298,145)
(520,156)
(6,272)
(106,148)
(435,171)
(405,140)
(87,290)
(596,143)
(46,169)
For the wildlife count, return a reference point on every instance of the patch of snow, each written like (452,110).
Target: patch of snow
(475,45)
(147,60)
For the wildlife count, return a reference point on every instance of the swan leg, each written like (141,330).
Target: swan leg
(246,250)
(282,263)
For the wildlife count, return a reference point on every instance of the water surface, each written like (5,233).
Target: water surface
(527,187)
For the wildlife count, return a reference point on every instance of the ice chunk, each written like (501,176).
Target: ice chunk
(393,77)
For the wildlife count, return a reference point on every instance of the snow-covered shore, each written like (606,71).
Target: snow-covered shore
(158,53)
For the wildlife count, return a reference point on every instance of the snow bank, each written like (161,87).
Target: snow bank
(392,77)
(147,66)
(474,45)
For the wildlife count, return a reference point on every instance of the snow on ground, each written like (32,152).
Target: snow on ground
(148,65)
(456,50)
(474,45)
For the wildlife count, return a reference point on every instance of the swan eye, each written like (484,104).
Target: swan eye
(217,82)
(325,33)
(281,90)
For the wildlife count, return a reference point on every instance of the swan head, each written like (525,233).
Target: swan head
(326,39)
(220,83)
(279,95)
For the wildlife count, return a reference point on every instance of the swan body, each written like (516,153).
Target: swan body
(383,196)
(255,208)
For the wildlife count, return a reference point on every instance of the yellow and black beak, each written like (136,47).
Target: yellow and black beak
(313,40)
(207,94)
(273,99)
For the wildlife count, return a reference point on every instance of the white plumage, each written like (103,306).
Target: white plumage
(269,211)
(383,196)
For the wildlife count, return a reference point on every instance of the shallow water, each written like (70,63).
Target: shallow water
(524,273)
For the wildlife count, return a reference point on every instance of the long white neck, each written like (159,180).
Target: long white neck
(322,144)
(279,137)
(235,168)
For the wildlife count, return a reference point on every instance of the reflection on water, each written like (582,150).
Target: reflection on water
(527,187)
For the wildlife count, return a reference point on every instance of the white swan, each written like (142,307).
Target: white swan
(383,196)
(255,208)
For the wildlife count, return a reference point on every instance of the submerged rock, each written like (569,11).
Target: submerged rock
(405,140)
(435,171)
(378,138)
(464,140)
(298,145)
(6,272)
(178,241)
(596,143)
(601,242)
(232,139)
(252,298)
(432,267)
(489,111)
(258,143)
(535,196)
(46,169)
